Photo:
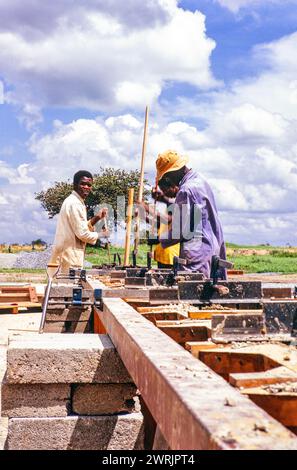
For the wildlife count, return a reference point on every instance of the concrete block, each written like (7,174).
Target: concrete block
(55,358)
(42,400)
(66,326)
(3,432)
(101,399)
(122,432)
(2,368)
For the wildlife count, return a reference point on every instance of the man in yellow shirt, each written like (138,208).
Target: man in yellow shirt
(163,256)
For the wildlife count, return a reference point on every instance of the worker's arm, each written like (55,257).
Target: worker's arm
(160,217)
(79,224)
(101,214)
(159,196)
(186,220)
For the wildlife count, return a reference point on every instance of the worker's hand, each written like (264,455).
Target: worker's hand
(102,213)
(145,206)
(140,210)
(157,194)
(104,233)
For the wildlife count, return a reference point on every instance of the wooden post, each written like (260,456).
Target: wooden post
(141,178)
(128,225)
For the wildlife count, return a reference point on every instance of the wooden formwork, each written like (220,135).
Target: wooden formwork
(237,388)
(256,363)
(193,407)
(64,317)
(15,299)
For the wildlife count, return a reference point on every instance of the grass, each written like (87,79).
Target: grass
(273,259)
(253,247)
(100,256)
(276,263)
(21,270)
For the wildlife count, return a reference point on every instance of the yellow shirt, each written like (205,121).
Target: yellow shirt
(72,234)
(165,255)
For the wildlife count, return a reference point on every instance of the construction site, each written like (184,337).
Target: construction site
(129,357)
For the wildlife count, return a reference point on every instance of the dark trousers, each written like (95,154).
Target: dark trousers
(164,266)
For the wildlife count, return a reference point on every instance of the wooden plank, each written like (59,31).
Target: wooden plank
(227,361)
(32,294)
(159,309)
(18,292)
(68,314)
(16,288)
(255,379)
(118,274)
(280,405)
(67,327)
(162,316)
(135,281)
(277,292)
(237,325)
(194,347)
(128,225)
(190,403)
(98,325)
(163,295)
(15,297)
(181,331)
(9,308)
(22,304)
(204,290)
(201,314)
(136,302)
(250,358)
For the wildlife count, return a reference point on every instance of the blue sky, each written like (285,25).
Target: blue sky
(219,77)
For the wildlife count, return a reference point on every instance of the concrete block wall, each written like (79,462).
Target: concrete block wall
(65,392)
(3,420)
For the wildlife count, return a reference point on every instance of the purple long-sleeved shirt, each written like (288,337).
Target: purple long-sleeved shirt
(195,225)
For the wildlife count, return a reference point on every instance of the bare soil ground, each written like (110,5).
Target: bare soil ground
(266,277)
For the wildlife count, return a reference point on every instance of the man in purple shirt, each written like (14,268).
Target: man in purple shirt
(195,222)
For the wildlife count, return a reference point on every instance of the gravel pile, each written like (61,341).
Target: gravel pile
(33,260)
(37,260)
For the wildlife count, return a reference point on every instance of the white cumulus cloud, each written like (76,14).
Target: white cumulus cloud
(236,5)
(90,57)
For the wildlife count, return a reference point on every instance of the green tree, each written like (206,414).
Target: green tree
(107,186)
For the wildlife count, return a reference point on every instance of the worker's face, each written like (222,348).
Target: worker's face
(169,191)
(84,187)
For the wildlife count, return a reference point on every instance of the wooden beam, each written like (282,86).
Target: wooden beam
(281,405)
(255,379)
(193,407)
(194,347)
(277,292)
(141,180)
(162,316)
(205,314)
(227,361)
(128,226)
(183,331)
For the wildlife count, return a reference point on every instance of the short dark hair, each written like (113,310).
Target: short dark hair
(81,174)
